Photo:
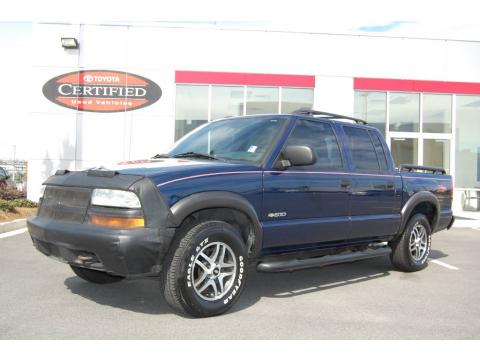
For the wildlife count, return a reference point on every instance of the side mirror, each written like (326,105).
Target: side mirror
(295,155)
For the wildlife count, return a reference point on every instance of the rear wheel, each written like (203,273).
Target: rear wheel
(410,251)
(206,273)
(94,276)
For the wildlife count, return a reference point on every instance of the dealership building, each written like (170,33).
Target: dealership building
(423,94)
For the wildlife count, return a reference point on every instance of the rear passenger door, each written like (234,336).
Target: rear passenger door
(375,198)
(303,205)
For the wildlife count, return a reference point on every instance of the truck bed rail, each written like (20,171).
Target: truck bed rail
(418,168)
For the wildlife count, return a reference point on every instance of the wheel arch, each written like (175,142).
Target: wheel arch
(221,205)
(423,202)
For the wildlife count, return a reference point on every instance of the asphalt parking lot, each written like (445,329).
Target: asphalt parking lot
(43,299)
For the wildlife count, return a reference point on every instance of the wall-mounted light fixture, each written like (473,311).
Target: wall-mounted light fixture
(69,43)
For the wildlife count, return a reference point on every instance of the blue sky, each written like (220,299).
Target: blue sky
(383,28)
(438,19)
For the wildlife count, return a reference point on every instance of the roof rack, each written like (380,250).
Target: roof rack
(326,115)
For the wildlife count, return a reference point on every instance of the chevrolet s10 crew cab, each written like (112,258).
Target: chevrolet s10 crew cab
(273,192)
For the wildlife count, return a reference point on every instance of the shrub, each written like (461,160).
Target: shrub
(24,203)
(6,206)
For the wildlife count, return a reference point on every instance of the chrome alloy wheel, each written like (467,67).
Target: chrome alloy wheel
(214,271)
(418,242)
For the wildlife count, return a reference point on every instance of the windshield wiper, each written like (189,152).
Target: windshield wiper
(193,154)
(161,156)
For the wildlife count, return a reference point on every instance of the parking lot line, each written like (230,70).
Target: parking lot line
(13,233)
(441,263)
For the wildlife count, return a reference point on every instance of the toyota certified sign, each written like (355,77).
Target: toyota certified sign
(102,91)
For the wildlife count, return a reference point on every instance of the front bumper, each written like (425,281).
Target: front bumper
(124,252)
(63,231)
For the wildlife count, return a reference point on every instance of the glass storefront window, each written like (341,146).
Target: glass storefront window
(226,101)
(404,112)
(467,145)
(436,152)
(437,113)
(262,100)
(372,107)
(404,151)
(191,108)
(192,103)
(296,98)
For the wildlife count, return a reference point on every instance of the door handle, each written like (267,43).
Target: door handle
(345,184)
(390,186)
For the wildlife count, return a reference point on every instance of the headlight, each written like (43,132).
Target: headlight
(115,198)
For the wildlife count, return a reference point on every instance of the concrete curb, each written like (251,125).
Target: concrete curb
(12,225)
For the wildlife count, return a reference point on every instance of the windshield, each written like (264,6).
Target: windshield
(244,139)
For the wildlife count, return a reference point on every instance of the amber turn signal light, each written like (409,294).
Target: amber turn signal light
(117,222)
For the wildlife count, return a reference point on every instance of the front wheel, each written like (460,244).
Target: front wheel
(410,251)
(206,273)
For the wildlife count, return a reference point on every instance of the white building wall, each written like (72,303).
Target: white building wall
(15,75)
(334,94)
(58,137)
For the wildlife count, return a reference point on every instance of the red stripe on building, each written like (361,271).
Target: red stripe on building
(449,87)
(230,78)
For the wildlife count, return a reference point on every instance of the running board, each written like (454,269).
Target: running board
(298,264)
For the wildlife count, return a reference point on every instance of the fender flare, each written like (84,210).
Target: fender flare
(420,197)
(218,199)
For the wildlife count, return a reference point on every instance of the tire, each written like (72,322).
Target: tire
(206,272)
(410,251)
(94,276)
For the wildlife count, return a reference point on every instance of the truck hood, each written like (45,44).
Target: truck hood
(165,170)
(159,171)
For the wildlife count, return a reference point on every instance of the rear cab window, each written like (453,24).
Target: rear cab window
(362,150)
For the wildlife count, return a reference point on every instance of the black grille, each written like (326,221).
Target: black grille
(67,204)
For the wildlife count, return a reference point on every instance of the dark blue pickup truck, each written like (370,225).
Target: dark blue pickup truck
(273,192)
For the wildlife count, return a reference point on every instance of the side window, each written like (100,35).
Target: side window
(361,147)
(382,159)
(321,138)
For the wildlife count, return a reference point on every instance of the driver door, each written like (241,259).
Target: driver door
(307,205)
